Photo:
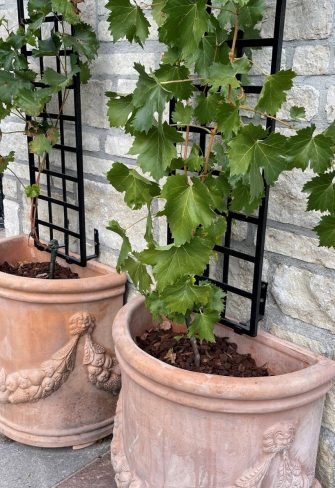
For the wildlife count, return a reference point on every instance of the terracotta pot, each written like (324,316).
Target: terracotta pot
(179,429)
(58,373)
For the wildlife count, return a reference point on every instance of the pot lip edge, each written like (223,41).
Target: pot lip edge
(35,284)
(287,385)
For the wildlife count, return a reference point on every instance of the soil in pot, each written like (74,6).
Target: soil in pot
(221,357)
(38,270)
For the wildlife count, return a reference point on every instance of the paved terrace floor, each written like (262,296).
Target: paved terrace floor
(30,467)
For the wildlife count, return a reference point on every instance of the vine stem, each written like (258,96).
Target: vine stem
(187,140)
(232,54)
(208,153)
(191,125)
(264,114)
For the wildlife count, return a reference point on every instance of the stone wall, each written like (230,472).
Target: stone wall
(301,276)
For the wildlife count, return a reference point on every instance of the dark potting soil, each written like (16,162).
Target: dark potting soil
(219,358)
(38,270)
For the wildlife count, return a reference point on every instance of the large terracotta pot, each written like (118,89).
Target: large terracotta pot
(179,429)
(58,373)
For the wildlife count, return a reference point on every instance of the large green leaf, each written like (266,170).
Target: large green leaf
(83,41)
(138,190)
(11,84)
(125,250)
(326,231)
(184,295)
(206,107)
(242,201)
(202,326)
(251,14)
(210,51)
(243,147)
(255,149)
(119,109)
(48,47)
(56,80)
(321,191)
(156,149)
(186,206)
(228,118)
(67,9)
(171,263)
(127,20)
(221,75)
(32,102)
(305,149)
(185,24)
(182,114)
(138,274)
(40,145)
(273,93)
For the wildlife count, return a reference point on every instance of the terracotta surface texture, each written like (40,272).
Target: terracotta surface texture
(59,378)
(179,429)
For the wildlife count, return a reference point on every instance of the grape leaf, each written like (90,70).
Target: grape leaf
(210,51)
(156,149)
(47,47)
(242,148)
(186,206)
(251,13)
(273,93)
(205,110)
(221,75)
(83,41)
(67,10)
(119,109)
(138,190)
(241,200)
(326,231)
(138,274)
(305,149)
(32,102)
(171,263)
(321,191)
(228,119)
(202,326)
(5,160)
(126,20)
(168,72)
(114,226)
(56,80)
(184,295)
(157,7)
(297,113)
(182,114)
(32,191)
(40,145)
(186,23)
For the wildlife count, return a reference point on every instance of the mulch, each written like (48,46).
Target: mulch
(220,358)
(38,270)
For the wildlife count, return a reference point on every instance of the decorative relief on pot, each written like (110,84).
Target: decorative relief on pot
(31,385)
(277,442)
(103,368)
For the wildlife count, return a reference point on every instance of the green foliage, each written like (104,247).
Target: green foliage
(126,20)
(189,190)
(21,97)
(273,94)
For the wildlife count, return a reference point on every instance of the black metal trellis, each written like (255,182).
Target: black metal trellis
(63,174)
(257,296)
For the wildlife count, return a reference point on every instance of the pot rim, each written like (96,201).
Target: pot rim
(106,278)
(320,370)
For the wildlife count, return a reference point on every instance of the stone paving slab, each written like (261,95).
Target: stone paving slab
(23,466)
(98,474)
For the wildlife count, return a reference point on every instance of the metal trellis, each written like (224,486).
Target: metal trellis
(257,296)
(65,174)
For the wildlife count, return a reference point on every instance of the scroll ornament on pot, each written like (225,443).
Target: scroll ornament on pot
(31,385)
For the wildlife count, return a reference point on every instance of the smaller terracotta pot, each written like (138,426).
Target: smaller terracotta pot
(59,378)
(179,429)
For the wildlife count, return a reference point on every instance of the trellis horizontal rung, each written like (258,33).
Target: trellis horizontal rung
(58,228)
(234,253)
(58,202)
(61,176)
(226,287)
(66,148)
